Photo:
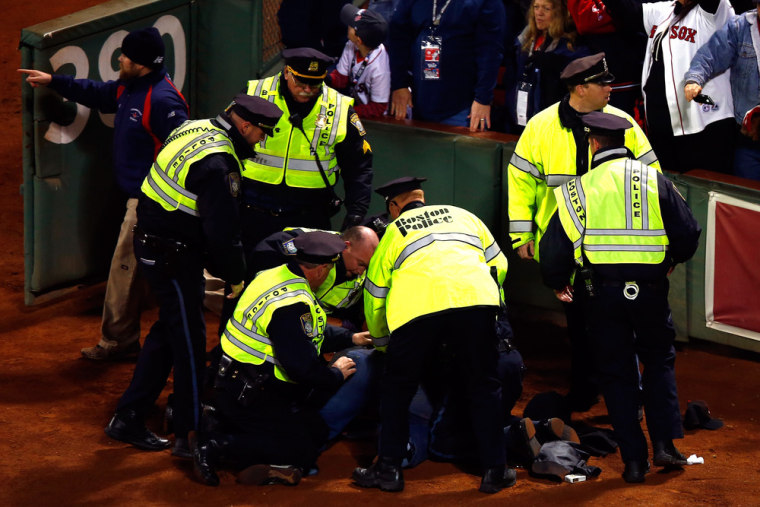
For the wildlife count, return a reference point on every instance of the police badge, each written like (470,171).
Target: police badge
(289,248)
(307,323)
(321,121)
(234,180)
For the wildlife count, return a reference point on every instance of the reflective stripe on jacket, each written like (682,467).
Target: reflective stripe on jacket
(288,155)
(246,338)
(431,259)
(187,144)
(544,158)
(612,214)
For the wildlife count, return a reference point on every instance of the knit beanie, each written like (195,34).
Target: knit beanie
(144,46)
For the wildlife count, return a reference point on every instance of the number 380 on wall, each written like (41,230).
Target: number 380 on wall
(75,55)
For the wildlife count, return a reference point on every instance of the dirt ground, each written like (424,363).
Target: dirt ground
(54,405)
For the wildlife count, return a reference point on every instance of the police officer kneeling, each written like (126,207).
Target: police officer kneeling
(188,219)
(271,381)
(619,230)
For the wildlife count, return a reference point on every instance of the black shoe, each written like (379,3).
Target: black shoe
(497,478)
(181,448)
(126,426)
(205,457)
(263,475)
(635,470)
(666,455)
(530,443)
(383,474)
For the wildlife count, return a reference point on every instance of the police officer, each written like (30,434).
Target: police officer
(551,150)
(188,219)
(342,289)
(429,285)
(619,231)
(291,180)
(271,381)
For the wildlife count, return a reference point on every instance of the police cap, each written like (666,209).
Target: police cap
(370,26)
(605,123)
(399,186)
(307,64)
(589,69)
(318,247)
(261,113)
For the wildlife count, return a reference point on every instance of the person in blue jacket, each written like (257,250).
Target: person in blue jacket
(735,47)
(449,54)
(148,107)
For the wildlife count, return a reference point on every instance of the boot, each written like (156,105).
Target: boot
(205,460)
(634,471)
(497,478)
(385,474)
(666,455)
(127,426)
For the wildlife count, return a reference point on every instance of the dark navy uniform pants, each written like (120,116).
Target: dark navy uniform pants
(177,339)
(468,336)
(620,329)
(584,388)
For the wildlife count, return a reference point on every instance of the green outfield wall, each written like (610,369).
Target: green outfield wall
(71,203)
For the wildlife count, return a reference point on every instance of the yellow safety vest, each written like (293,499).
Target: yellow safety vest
(544,159)
(612,214)
(431,259)
(246,338)
(331,296)
(334,297)
(289,154)
(187,144)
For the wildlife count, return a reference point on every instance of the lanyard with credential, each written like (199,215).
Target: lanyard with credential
(437,17)
(360,71)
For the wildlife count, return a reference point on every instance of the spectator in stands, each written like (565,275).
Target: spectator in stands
(624,50)
(734,47)
(363,71)
(684,135)
(543,49)
(449,54)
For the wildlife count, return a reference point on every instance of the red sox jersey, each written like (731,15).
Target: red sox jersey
(370,78)
(680,42)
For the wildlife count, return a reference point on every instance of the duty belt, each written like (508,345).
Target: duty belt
(631,288)
(244,379)
(279,212)
(649,284)
(158,242)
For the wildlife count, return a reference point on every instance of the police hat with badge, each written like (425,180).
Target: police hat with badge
(259,112)
(316,247)
(307,65)
(589,69)
(399,186)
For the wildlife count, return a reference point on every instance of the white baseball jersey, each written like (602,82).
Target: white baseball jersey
(679,45)
(370,78)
